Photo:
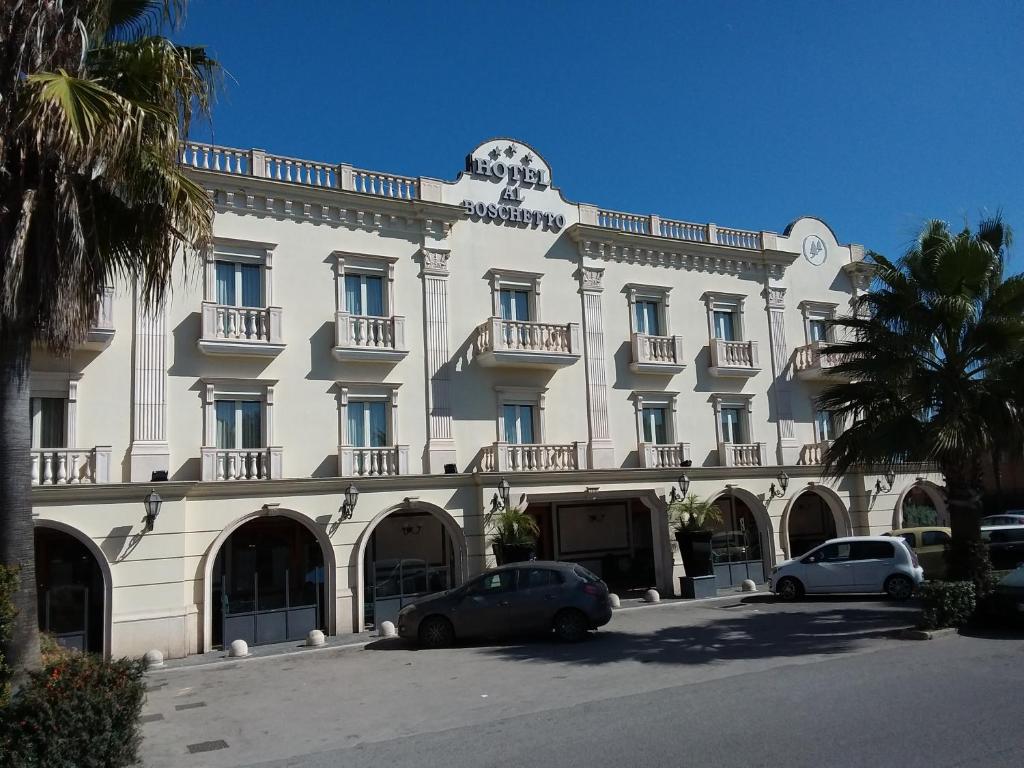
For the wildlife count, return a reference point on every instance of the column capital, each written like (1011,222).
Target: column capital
(435,261)
(591,279)
(775,297)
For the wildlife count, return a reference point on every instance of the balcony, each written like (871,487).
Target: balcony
(386,461)
(101,333)
(241,331)
(358,338)
(518,457)
(811,364)
(813,453)
(657,354)
(526,344)
(654,456)
(733,358)
(71,466)
(742,454)
(242,463)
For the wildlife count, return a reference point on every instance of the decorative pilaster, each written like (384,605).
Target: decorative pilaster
(440,441)
(775,303)
(149,451)
(601,448)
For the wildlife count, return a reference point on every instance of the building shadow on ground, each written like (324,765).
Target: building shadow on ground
(743,632)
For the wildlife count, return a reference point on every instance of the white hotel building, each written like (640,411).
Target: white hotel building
(420,340)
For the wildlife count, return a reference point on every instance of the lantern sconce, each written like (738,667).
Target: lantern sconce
(152,503)
(890,480)
(775,493)
(348,505)
(684,487)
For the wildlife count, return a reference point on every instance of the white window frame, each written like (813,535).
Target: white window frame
(366,392)
(365,265)
(656,293)
(816,310)
(666,400)
(837,425)
(61,386)
(260,390)
(240,252)
(237,400)
(726,302)
(511,279)
(739,401)
(522,396)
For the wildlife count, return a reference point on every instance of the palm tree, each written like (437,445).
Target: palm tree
(933,359)
(93,101)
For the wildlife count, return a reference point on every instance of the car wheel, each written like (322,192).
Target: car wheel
(789,589)
(571,626)
(899,587)
(436,632)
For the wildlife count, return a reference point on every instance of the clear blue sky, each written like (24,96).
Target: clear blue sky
(871,115)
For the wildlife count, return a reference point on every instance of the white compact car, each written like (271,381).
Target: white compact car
(851,564)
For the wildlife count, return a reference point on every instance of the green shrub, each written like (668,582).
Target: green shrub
(947,604)
(79,710)
(8,585)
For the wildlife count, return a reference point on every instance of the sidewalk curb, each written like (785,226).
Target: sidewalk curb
(912,633)
(232,661)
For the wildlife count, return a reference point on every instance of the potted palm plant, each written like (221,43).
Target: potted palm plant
(514,534)
(693,518)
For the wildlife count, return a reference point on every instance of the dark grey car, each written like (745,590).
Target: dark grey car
(534,596)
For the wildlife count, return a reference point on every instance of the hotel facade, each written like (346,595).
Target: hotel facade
(416,341)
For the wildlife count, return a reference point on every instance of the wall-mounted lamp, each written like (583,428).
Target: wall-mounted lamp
(773,492)
(348,505)
(504,489)
(152,503)
(890,479)
(684,486)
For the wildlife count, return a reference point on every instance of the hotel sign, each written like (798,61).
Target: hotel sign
(518,177)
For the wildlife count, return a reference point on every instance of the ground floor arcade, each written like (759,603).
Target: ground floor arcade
(269,561)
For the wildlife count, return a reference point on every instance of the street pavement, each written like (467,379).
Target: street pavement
(734,682)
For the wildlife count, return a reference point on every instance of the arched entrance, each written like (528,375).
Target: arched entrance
(921,504)
(809,521)
(405,553)
(268,583)
(742,543)
(73,589)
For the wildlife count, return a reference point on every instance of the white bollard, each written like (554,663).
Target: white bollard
(652,596)
(387,629)
(614,600)
(153,658)
(748,585)
(238,649)
(315,638)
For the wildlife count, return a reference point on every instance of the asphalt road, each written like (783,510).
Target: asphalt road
(822,683)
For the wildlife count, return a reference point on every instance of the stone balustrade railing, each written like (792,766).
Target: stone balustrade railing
(524,336)
(518,457)
(70,466)
(624,222)
(810,358)
(738,238)
(369,332)
(385,184)
(242,463)
(653,224)
(657,456)
(684,230)
(244,324)
(814,453)
(386,461)
(743,454)
(734,354)
(657,350)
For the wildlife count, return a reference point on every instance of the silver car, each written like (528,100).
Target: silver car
(534,596)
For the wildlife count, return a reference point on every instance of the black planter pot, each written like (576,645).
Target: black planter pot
(513,553)
(695,548)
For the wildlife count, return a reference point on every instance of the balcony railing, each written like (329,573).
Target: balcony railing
(385,461)
(814,453)
(811,364)
(657,354)
(518,457)
(527,344)
(102,331)
(242,463)
(654,225)
(742,454)
(70,466)
(369,339)
(734,358)
(655,456)
(231,330)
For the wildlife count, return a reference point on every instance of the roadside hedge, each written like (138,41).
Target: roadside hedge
(947,604)
(79,711)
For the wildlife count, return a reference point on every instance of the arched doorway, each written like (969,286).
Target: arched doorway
(269,583)
(921,505)
(809,522)
(403,554)
(72,590)
(742,539)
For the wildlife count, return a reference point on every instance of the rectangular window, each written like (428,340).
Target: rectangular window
(49,422)
(239,284)
(818,330)
(225,283)
(648,318)
(367,423)
(518,424)
(515,304)
(654,426)
(725,328)
(826,425)
(732,426)
(239,424)
(872,550)
(364,295)
(252,285)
